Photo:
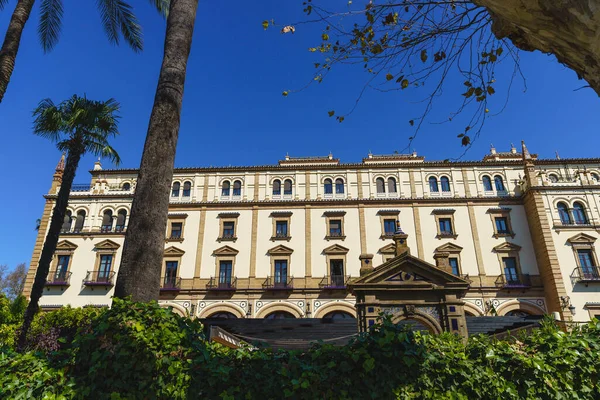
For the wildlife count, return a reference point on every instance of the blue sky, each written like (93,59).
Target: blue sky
(233,111)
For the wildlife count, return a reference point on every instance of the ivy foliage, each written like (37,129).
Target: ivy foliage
(143,351)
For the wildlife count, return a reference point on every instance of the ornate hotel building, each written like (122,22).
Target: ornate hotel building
(511,234)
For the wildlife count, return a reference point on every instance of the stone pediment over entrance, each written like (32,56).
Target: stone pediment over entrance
(409,271)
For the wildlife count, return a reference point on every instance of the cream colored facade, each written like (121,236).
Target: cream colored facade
(545,250)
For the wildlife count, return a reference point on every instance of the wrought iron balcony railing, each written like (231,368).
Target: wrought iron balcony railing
(99,278)
(272,283)
(59,278)
(168,283)
(226,285)
(586,274)
(120,228)
(334,282)
(513,281)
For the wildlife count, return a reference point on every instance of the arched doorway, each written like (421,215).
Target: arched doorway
(415,325)
(338,315)
(280,315)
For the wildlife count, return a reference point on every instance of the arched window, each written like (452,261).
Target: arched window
(392,185)
(175,190)
(487,183)
(287,186)
(223,315)
(445,183)
(499,182)
(121,218)
(433,184)
(328,186)
(553,178)
(338,315)
(276,187)
(79,221)
(380,183)
(66,226)
(595,177)
(563,213)
(279,315)
(225,188)
(126,186)
(237,188)
(579,214)
(339,186)
(107,220)
(187,188)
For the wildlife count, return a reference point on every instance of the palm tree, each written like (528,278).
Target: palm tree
(139,273)
(78,126)
(116,15)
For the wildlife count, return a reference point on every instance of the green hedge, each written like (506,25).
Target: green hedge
(142,351)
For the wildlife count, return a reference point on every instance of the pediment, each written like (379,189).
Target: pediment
(581,238)
(66,245)
(225,251)
(448,248)
(507,247)
(388,249)
(410,271)
(280,250)
(336,249)
(173,251)
(107,245)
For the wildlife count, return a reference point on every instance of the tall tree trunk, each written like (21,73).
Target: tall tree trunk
(141,262)
(569,29)
(43,268)
(10,47)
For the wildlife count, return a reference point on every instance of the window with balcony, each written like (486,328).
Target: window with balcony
(392,185)
(487,183)
(237,188)
(579,215)
(511,273)
(67,222)
(563,213)
(171,279)
(187,189)
(389,227)
(445,182)
(499,183)
(287,187)
(175,189)
(104,268)
(280,273)
(339,186)
(276,187)
(62,268)
(225,274)
(121,219)
(79,221)
(225,186)
(380,184)
(107,220)
(433,185)
(336,273)
(328,186)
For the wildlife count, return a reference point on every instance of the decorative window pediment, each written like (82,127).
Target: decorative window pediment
(225,251)
(336,249)
(388,249)
(334,213)
(65,245)
(507,247)
(173,252)
(581,239)
(388,212)
(107,245)
(449,248)
(280,250)
(443,211)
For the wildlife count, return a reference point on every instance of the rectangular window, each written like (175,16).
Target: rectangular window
(446,226)
(454,265)
(225,270)
(389,226)
(176,230)
(335,227)
(510,270)
(104,268)
(281,273)
(501,225)
(61,268)
(336,272)
(587,264)
(170,274)
(281,229)
(228,229)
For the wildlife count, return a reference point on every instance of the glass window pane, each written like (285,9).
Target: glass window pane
(339,186)
(281,271)
(501,225)
(287,187)
(454,265)
(380,185)
(389,226)
(510,269)
(276,187)
(445,184)
(281,228)
(499,183)
(433,185)
(487,184)
(225,270)
(392,185)
(328,186)
(228,228)
(445,226)
(335,227)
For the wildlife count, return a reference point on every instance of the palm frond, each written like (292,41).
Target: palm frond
(162,6)
(103,149)
(117,16)
(2,4)
(51,12)
(48,122)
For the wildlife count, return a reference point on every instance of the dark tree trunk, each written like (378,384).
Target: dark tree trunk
(10,47)
(141,262)
(43,268)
